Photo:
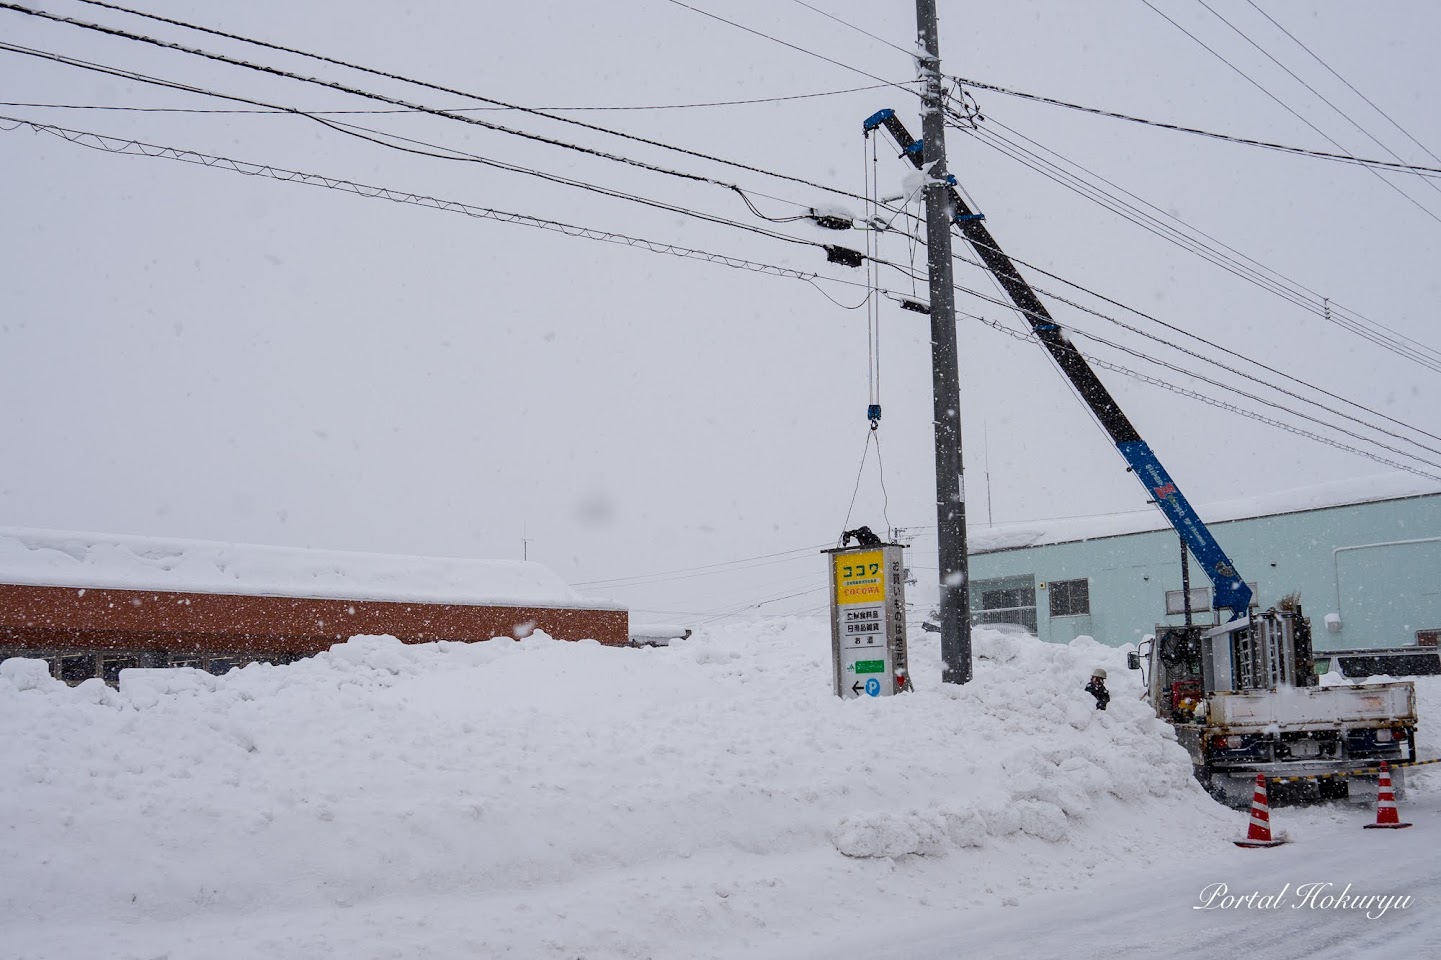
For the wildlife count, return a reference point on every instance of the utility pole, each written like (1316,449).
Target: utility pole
(955,605)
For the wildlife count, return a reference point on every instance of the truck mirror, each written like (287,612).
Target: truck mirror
(1133,661)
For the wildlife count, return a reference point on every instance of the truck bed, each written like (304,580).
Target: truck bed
(1312,708)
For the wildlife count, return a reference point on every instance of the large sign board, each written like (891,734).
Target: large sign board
(868,620)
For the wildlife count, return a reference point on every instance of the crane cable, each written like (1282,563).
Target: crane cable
(871,211)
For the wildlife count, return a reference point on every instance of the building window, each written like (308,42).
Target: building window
(1005,600)
(75,669)
(222,665)
(1070,598)
(1200,601)
(110,667)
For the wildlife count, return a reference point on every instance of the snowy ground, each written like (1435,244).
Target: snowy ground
(537,799)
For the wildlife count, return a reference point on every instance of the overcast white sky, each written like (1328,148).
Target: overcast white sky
(189,353)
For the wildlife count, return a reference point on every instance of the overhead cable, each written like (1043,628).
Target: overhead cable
(458,109)
(1259,86)
(741,563)
(132,147)
(137,148)
(1348,83)
(1239,264)
(1211,401)
(1343,114)
(861,30)
(418,108)
(434,151)
(1417,169)
(792,46)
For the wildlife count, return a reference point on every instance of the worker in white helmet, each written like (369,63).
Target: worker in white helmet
(1097,688)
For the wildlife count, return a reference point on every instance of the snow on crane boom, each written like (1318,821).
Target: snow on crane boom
(1230,590)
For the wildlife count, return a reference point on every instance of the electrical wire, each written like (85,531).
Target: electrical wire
(798,49)
(1348,83)
(384,139)
(401,111)
(1231,408)
(1006,302)
(1259,86)
(1211,360)
(1422,171)
(1278,284)
(412,107)
(746,608)
(1200,339)
(1343,114)
(741,563)
(116,145)
(1201,377)
(140,148)
(860,30)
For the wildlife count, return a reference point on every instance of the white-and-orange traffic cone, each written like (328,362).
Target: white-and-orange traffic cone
(1386,816)
(1259,835)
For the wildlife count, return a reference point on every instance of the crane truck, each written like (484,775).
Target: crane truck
(1242,696)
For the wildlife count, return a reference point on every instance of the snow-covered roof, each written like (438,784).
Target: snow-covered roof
(1389,486)
(67,559)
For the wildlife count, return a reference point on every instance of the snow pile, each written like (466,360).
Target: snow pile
(65,559)
(715,787)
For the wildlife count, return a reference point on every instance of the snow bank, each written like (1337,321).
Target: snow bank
(715,787)
(64,559)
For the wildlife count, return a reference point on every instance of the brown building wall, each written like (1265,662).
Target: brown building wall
(50,618)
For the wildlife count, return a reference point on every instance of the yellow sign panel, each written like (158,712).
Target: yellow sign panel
(860,577)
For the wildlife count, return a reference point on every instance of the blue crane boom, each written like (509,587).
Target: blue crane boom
(1230,591)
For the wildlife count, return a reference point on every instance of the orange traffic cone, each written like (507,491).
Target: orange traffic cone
(1386,815)
(1259,835)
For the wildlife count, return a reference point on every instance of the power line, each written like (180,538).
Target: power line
(138,148)
(354,91)
(415,108)
(418,108)
(792,46)
(1220,404)
(706,566)
(1263,276)
(1232,138)
(1011,306)
(1348,84)
(852,26)
(1282,286)
(1220,364)
(1204,379)
(374,136)
(400,111)
(1287,108)
(1203,340)
(1345,116)
(132,147)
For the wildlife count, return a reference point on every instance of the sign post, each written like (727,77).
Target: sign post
(868,620)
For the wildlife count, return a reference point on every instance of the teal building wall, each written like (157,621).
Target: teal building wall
(1374,567)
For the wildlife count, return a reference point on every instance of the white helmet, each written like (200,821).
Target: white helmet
(1099,672)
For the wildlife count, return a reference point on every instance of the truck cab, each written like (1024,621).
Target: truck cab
(1244,698)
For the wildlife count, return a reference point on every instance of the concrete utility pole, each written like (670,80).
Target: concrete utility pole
(955,607)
